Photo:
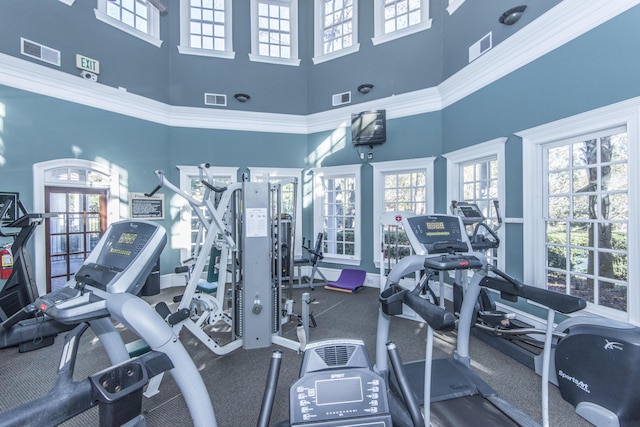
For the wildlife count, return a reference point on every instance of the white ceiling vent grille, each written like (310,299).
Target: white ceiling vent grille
(215,99)
(341,98)
(38,51)
(480,47)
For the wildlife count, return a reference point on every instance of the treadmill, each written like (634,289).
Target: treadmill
(455,394)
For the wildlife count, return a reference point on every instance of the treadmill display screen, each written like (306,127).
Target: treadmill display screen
(339,390)
(127,238)
(438,233)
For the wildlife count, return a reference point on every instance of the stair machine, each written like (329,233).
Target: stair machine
(451,393)
(20,288)
(246,226)
(104,288)
(590,356)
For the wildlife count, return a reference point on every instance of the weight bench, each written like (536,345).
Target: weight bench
(350,281)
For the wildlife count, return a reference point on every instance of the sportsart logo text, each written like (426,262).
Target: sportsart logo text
(581,385)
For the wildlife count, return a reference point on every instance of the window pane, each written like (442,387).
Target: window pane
(586,174)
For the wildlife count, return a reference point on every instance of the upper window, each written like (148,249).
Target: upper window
(476,175)
(205,28)
(274,31)
(336,29)
(398,18)
(399,186)
(136,17)
(580,172)
(337,212)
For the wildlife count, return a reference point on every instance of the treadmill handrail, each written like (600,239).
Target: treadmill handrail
(561,303)
(436,317)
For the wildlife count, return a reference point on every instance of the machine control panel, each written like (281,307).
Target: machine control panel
(436,234)
(453,262)
(119,263)
(339,394)
(348,394)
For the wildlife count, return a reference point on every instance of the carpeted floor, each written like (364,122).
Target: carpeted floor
(236,381)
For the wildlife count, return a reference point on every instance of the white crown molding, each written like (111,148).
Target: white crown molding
(218,118)
(561,24)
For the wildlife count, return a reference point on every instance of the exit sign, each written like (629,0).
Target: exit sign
(87,64)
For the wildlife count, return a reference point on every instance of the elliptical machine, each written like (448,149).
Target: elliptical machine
(591,356)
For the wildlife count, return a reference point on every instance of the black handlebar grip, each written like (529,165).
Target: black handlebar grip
(436,317)
(155,190)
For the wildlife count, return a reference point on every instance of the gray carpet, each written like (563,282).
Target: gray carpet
(236,381)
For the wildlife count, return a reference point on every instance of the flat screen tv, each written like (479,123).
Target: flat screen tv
(369,127)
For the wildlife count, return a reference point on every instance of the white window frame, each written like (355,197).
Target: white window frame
(185,21)
(318,30)
(380,169)
(379,32)
(153,19)
(181,235)
(284,173)
(318,204)
(254,55)
(457,159)
(623,114)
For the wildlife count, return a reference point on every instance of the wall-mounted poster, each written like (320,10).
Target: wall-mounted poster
(143,207)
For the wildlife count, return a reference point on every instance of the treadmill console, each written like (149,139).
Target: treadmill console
(338,387)
(469,212)
(436,234)
(120,262)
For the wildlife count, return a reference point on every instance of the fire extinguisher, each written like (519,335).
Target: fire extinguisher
(7,262)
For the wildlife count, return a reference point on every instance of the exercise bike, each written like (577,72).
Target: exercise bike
(590,356)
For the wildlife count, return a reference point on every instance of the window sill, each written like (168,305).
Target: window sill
(271,60)
(337,259)
(334,55)
(423,26)
(100,16)
(185,50)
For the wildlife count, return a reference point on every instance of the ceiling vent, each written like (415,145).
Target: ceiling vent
(480,47)
(215,99)
(341,98)
(38,51)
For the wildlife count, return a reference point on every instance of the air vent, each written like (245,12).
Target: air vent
(337,355)
(341,98)
(38,51)
(215,99)
(480,47)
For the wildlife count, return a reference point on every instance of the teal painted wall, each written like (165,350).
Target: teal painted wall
(597,69)
(594,70)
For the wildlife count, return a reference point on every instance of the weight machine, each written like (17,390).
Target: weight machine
(246,225)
